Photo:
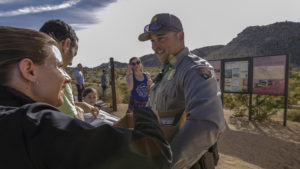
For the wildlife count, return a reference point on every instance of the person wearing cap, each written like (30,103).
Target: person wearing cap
(186,88)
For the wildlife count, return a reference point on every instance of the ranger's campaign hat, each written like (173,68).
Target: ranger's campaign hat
(161,24)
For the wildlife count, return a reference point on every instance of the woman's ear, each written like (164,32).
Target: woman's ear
(66,44)
(28,69)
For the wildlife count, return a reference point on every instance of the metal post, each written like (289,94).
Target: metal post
(113,87)
(250,86)
(286,88)
(222,74)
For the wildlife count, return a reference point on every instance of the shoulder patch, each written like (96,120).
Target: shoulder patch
(204,72)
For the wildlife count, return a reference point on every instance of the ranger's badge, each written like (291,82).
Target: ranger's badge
(204,72)
(171,75)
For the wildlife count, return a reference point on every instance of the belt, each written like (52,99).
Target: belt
(172,118)
(167,120)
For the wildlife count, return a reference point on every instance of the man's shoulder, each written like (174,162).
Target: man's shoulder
(196,60)
(193,63)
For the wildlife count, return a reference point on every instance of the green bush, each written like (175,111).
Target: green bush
(237,102)
(263,106)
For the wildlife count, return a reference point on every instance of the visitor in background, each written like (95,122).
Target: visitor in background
(90,96)
(138,84)
(79,80)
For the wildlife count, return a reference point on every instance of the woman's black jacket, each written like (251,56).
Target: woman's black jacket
(38,136)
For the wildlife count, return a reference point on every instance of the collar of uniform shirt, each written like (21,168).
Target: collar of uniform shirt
(166,68)
(172,60)
(176,60)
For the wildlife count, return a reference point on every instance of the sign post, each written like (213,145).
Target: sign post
(113,85)
(286,88)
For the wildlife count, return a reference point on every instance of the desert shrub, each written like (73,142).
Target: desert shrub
(236,102)
(124,92)
(294,88)
(294,115)
(108,96)
(265,106)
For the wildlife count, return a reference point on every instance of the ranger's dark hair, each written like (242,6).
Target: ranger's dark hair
(59,30)
(17,44)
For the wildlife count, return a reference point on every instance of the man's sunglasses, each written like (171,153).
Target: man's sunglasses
(135,63)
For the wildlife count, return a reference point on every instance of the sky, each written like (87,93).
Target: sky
(109,28)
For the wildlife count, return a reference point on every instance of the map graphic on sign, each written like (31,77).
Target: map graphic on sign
(236,76)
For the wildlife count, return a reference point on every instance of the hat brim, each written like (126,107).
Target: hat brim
(147,35)
(144,36)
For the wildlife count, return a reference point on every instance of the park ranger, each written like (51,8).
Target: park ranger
(185,87)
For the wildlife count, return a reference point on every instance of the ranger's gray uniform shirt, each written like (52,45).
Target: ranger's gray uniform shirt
(186,86)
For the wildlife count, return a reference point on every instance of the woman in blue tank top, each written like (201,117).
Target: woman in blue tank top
(138,83)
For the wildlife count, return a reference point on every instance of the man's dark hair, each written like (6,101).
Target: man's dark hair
(59,30)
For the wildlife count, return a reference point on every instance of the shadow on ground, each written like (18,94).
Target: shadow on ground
(268,145)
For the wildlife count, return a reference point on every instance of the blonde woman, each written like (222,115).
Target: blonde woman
(138,83)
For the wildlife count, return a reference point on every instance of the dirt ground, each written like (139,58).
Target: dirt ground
(254,145)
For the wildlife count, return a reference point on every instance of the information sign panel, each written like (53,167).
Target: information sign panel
(269,75)
(236,76)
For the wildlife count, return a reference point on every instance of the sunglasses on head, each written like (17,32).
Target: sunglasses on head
(135,63)
(156,26)
(153,26)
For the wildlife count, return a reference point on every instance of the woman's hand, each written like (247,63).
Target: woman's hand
(130,70)
(80,113)
(149,82)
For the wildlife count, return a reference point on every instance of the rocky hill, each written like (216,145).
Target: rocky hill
(205,51)
(117,64)
(150,60)
(277,38)
(273,39)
